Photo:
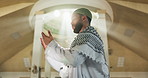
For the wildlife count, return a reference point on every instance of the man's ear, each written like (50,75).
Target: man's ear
(84,18)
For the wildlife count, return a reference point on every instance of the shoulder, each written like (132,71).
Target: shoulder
(89,36)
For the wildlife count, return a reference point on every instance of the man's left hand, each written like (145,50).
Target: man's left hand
(45,40)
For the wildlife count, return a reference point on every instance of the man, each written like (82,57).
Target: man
(85,58)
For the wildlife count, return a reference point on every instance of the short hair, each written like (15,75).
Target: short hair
(89,19)
(84,12)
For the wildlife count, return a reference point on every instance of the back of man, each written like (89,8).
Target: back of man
(89,45)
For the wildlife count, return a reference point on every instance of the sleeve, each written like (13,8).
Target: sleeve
(62,55)
(55,64)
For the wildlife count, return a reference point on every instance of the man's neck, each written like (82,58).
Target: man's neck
(84,27)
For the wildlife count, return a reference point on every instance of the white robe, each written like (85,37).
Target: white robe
(76,64)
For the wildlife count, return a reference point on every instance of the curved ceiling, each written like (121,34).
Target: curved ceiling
(96,5)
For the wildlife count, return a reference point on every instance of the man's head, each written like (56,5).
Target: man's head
(81,18)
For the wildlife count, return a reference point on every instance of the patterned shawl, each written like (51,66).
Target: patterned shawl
(90,37)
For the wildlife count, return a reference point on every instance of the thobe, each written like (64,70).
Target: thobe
(77,61)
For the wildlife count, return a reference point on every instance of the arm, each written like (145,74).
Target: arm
(55,64)
(54,51)
(66,56)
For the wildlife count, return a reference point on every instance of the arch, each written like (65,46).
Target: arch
(92,5)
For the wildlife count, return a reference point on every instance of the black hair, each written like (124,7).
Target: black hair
(89,19)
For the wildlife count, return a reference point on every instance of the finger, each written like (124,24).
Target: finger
(49,33)
(43,35)
(43,44)
(41,40)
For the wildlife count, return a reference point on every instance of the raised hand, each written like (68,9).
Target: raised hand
(45,40)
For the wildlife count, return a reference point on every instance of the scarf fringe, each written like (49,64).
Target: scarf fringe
(95,56)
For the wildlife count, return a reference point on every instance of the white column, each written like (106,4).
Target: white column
(47,70)
(100,24)
(37,47)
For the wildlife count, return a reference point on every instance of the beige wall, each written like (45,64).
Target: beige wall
(120,77)
(55,74)
(129,74)
(14,74)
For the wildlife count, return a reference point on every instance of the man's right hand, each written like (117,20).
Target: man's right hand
(45,40)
